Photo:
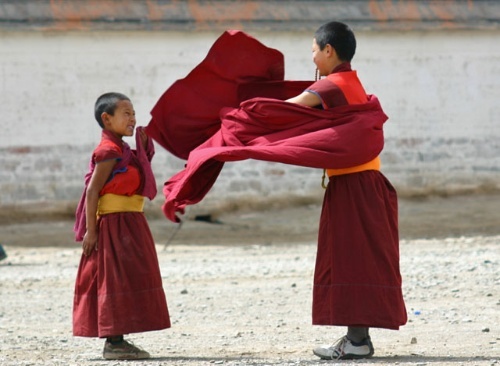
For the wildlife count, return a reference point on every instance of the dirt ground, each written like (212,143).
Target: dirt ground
(239,289)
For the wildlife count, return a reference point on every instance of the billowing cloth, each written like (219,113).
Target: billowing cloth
(187,114)
(230,107)
(264,127)
(140,158)
(278,131)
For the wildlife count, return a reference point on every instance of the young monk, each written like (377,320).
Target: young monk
(118,287)
(357,281)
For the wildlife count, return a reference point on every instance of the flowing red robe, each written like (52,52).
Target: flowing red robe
(200,117)
(357,281)
(210,118)
(274,130)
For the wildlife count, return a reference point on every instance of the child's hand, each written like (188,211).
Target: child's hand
(89,243)
(144,138)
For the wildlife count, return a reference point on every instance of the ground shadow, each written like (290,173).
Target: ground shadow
(410,359)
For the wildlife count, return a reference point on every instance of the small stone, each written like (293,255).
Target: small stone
(413,340)
(485,330)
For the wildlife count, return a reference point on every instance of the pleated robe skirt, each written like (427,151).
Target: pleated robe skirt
(118,288)
(357,280)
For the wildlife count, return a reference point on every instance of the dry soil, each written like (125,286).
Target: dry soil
(239,290)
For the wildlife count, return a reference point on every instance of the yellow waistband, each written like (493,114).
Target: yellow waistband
(112,203)
(371,165)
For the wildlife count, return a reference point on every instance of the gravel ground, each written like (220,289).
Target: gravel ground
(250,303)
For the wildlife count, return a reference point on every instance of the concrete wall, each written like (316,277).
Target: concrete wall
(440,90)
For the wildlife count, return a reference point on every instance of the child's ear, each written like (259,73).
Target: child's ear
(330,50)
(105,118)
(332,53)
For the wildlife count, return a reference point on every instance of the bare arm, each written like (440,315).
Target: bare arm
(307,99)
(99,177)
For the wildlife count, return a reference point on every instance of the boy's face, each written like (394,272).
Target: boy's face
(325,59)
(122,123)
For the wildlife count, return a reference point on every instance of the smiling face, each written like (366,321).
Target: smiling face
(122,122)
(325,59)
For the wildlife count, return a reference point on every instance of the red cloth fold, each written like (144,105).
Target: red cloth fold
(187,114)
(200,118)
(278,131)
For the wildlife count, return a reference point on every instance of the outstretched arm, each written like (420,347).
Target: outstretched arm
(307,99)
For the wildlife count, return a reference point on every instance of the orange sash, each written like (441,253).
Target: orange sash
(371,165)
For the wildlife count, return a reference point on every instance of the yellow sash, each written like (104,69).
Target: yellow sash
(112,203)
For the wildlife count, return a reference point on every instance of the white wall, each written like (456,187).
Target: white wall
(438,88)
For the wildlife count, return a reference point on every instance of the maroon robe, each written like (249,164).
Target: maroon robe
(357,281)
(118,289)
(237,91)
(278,131)
(273,130)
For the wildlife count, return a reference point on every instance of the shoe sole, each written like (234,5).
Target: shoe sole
(344,357)
(124,358)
